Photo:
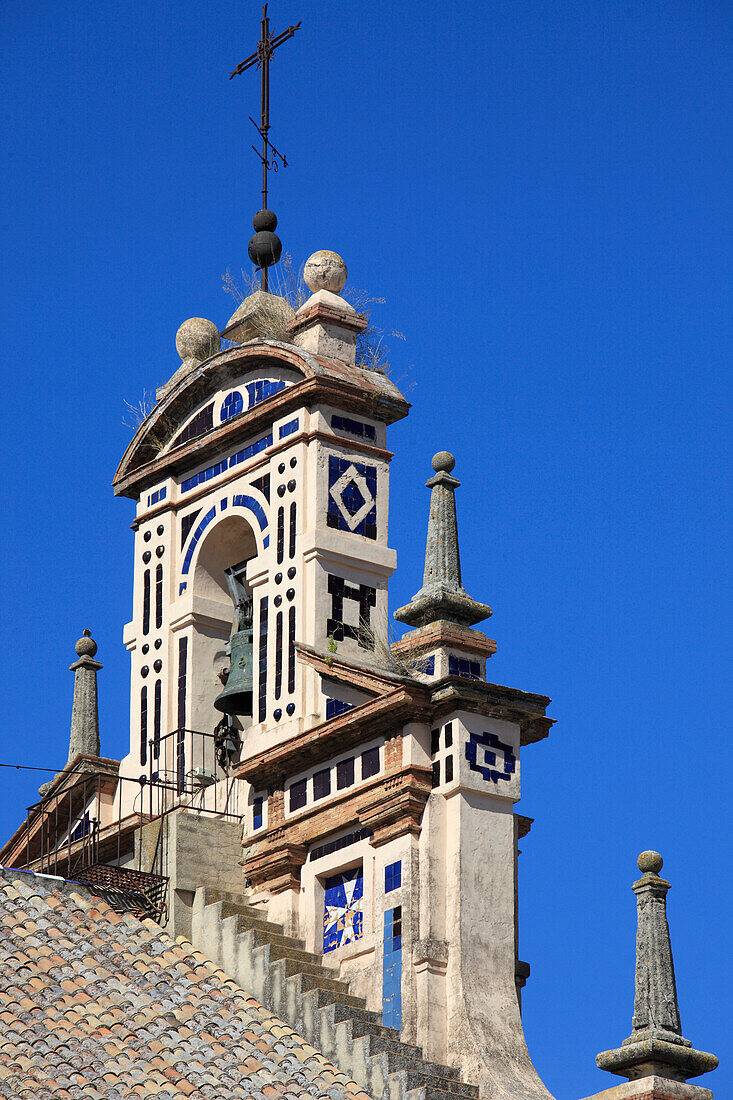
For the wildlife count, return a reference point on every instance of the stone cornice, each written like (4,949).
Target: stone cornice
(448,634)
(319,312)
(494,701)
(377,716)
(391,805)
(352,388)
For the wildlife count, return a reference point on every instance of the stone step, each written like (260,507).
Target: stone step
(295,985)
(408,1084)
(301,983)
(429,1092)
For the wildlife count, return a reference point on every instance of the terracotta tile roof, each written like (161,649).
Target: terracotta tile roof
(98,1005)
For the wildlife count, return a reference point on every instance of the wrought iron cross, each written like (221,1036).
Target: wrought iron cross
(261,59)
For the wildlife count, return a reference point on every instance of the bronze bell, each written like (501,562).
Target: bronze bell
(236,698)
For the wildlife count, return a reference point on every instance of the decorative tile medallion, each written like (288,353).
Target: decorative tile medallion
(362,598)
(481,750)
(352,497)
(343,916)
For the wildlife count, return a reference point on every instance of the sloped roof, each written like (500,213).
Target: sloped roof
(97,1005)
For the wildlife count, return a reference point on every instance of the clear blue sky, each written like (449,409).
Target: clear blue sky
(541,191)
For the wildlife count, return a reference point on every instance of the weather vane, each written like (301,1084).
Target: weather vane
(265,248)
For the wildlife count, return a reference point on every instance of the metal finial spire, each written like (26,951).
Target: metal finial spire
(656,1046)
(265,247)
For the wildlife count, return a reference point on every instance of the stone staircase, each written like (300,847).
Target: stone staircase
(297,987)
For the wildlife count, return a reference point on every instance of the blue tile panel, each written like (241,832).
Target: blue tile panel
(354,427)
(153,498)
(393,876)
(353,486)
(288,429)
(487,768)
(226,463)
(392,968)
(243,500)
(195,538)
(187,523)
(335,707)
(343,917)
(257,813)
(232,405)
(458,666)
(253,449)
(262,389)
(332,846)
(426,666)
(365,596)
(203,476)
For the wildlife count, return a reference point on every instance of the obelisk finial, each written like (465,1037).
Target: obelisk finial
(84,712)
(84,737)
(442,596)
(656,1046)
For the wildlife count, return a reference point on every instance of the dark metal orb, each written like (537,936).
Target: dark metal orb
(264,249)
(264,220)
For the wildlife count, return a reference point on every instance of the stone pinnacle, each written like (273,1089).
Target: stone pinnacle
(656,1045)
(442,596)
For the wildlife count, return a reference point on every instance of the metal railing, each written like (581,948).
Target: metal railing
(92,822)
(187,767)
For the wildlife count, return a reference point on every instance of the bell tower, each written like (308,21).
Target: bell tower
(262,484)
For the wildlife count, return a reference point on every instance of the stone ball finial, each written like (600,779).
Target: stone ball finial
(325,270)
(86,646)
(197,339)
(650,861)
(443,462)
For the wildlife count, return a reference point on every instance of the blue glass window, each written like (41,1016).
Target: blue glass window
(343,917)
(232,405)
(369,763)
(335,707)
(257,813)
(202,422)
(345,773)
(321,784)
(458,666)
(298,795)
(262,389)
(393,876)
(288,429)
(353,427)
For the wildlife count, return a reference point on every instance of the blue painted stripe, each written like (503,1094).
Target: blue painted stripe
(196,536)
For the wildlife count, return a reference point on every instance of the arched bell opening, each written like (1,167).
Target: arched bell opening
(221,688)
